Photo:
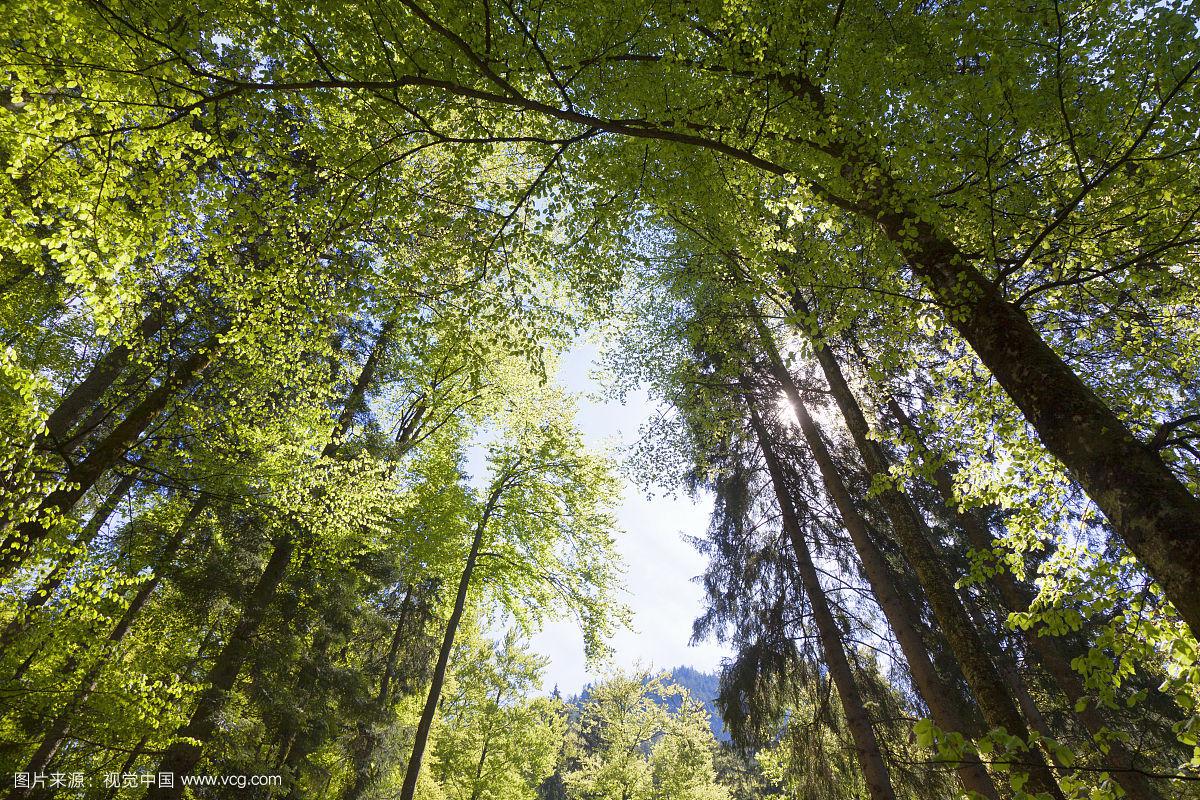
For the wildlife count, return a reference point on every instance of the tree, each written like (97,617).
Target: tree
(822,116)
(958,241)
(494,741)
(629,747)
(542,529)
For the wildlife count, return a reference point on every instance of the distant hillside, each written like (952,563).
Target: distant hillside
(703,687)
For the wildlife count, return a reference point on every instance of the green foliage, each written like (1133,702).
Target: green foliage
(495,742)
(218,218)
(629,746)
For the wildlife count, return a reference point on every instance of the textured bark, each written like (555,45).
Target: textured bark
(915,541)
(1154,513)
(899,611)
(1052,653)
(866,745)
(413,770)
(101,458)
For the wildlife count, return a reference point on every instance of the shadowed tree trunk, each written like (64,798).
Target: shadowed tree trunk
(866,745)
(1147,505)
(999,708)
(84,474)
(1053,653)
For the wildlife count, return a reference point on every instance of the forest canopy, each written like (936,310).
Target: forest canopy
(286,478)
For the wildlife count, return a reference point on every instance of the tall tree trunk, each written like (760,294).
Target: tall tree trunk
(41,594)
(181,757)
(900,613)
(915,541)
(104,372)
(866,745)
(129,762)
(1146,503)
(413,770)
(313,734)
(83,475)
(1052,653)
(60,728)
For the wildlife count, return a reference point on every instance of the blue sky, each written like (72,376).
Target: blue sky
(659,562)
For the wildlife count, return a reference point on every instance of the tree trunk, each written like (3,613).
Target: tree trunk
(312,733)
(866,746)
(413,770)
(1051,651)
(899,611)
(83,475)
(181,757)
(364,772)
(60,728)
(478,784)
(1149,507)
(915,541)
(389,672)
(102,375)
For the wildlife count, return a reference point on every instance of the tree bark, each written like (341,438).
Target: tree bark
(1151,509)
(1052,653)
(421,739)
(899,612)
(83,475)
(866,746)
(915,541)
